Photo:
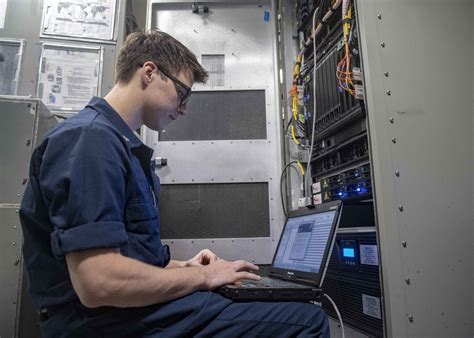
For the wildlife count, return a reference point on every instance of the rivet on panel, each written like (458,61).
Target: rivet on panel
(382,44)
(386,74)
(391,120)
(407,280)
(410,319)
(18,195)
(397,173)
(13,243)
(404,243)
(379,16)
(394,140)
(17,261)
(389,92)
(28,143)
(400,207)
(15,227)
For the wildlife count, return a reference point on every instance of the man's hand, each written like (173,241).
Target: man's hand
(221,272)
(204,257)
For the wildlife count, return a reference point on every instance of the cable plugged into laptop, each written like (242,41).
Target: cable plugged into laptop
(338,314)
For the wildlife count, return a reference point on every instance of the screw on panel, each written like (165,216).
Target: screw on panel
(13,243)
(386,74)
(23,182)
(394,140)
(28,143)
(397,173)
(404,244)
(389,92)
(407,280)
(379,16)
(17,261)
(15,227)
(400,207)
(391,120)
(382,44)
(18,195)
(410,319)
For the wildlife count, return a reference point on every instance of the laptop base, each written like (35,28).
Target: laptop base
(270,295)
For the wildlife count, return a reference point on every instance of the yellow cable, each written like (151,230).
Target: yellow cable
(293,135)
(301,168)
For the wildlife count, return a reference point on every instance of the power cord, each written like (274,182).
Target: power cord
(337,312)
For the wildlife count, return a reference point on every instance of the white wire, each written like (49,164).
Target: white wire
(338,314)
(308,173)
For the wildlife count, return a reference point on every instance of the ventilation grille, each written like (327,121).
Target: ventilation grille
(221,115)
(214,210)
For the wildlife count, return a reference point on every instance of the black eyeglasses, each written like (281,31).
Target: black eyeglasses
(184,92)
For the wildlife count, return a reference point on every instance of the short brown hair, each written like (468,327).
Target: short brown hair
(162,49)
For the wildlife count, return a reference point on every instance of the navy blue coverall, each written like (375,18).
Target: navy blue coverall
(91,185)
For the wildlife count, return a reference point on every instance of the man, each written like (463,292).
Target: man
(91,227)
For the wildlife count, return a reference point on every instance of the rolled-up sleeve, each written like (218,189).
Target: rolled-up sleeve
(83,181)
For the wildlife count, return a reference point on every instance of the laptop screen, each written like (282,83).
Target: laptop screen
(304,241)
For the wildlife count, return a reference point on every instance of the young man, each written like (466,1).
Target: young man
(91,226)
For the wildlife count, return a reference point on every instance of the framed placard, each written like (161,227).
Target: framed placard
(80,19)
(11,52)
(69,76)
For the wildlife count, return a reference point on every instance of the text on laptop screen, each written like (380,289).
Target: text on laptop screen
(304,242)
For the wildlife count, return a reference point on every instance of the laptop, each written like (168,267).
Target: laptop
(300,260)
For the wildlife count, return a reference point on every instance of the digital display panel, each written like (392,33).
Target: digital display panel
(348,252)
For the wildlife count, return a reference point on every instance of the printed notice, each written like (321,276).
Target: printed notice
(10,56)
(368,255)
(69,77)
(79,18)
(3,13)
(371,306)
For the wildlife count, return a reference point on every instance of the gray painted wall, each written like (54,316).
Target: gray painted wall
(424,215)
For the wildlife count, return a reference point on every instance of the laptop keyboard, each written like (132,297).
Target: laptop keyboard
(267,282)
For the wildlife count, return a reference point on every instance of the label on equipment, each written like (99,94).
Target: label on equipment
(359,92)
(368,255)
(316,187)
(371,306)
(317,199)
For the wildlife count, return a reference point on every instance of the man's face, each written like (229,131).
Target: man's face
(165,98)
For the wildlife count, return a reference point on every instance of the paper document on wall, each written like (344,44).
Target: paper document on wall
(79,18)
(3,13)
(69,78)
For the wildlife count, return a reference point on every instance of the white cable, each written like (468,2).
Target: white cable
(308,173)
(338,314)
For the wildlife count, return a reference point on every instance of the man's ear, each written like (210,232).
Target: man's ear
(149,68)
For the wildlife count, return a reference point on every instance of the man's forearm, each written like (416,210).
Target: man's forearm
(176,264)
(126,282)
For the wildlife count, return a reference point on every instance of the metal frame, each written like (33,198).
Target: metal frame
(111,40)
(99,50)
(21,43)
(420,125)
(231,168)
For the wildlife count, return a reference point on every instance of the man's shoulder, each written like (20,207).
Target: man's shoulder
(88,131)
(87,122)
